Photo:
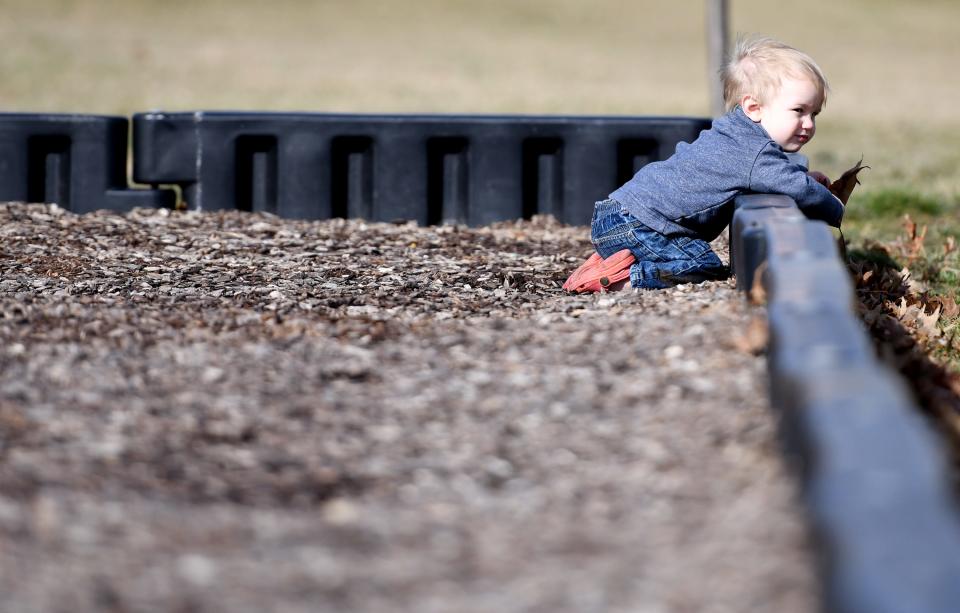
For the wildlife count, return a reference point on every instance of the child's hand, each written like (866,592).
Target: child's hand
(820,178)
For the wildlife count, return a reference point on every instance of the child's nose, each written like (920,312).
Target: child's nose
(807,123)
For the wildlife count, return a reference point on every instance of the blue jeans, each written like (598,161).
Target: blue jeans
(661,261)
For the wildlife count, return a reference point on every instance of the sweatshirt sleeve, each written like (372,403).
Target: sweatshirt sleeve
(773,173)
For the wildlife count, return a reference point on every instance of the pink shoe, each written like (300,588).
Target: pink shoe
(587,268)
(597,273)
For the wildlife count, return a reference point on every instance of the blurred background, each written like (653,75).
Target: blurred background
(890,66)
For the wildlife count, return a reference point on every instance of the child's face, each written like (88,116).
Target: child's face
(789,117)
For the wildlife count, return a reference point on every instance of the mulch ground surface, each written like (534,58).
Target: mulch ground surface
(235,412)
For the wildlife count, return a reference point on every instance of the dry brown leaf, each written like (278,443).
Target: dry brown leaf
(843,187)
(912,285)
(949,245)
(900,311)
(757,294)
(912,245)
(928,323)
(949,305)
(754,338)
(909,226)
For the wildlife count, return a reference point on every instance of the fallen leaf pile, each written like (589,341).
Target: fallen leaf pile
(910,324)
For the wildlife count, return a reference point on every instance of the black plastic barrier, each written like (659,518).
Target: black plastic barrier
(76,161)
(428,168)
(875,474)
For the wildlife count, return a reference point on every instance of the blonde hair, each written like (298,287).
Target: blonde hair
(758,65)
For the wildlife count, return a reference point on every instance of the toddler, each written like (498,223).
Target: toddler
(655,229)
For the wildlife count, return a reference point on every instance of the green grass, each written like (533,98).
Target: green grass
(878,214)
(896,202)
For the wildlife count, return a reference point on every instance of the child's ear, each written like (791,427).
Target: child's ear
(751,107)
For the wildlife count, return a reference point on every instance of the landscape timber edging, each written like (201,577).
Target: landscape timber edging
(874,474)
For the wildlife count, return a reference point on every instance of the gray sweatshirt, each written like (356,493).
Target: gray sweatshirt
(691,193)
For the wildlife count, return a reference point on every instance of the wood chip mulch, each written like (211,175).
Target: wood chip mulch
(236,412)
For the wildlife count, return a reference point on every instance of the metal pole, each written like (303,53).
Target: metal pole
(717,37)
